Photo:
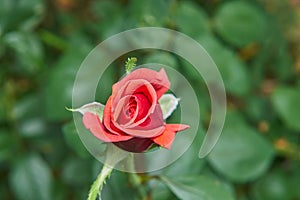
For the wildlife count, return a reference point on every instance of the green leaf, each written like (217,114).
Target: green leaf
(7,145)
(52,40)
(59,190)
(293,179)
(286,103)
(61,77)
(118,187)
(110,17)
(160,191)
(76,172)
(106,82)
(168,103)
(28,51)
(197,188)
(257,108)
(191,19)
(149,13)
(2,107)
(31,179)
(108,9)
(3,191)
(273,186)
(189,163)
(234,72)
(240,23)
(23,15)
(28,112)
(163,58)
(73,140)
(29,106)
(241,154)
(283,63)
(32,127)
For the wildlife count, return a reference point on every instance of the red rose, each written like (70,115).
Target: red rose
(132,117)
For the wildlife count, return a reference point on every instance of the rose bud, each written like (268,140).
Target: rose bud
(132,117)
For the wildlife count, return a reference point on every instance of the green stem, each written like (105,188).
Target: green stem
(99,182)
(113,156)
(135,179)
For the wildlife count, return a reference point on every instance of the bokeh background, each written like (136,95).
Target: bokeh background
(256,46)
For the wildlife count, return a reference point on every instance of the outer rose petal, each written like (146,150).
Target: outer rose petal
(135,145)
(159,80)
(167,137)
(93,123)
(107,119)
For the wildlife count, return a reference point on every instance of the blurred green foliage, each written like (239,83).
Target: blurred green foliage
(42,44)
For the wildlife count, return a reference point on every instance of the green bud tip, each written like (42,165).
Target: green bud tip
(130,64)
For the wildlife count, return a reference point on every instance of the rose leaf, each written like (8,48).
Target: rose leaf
(198,187)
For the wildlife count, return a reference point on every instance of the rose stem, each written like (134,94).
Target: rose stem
(99,182)
(134,178)
(113,156)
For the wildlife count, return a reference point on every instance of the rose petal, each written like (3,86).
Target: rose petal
(153,126)
(135,87)
(120,116)
(143,105)
(107,118)
(167,137)
(93,123)
(159,80)
(177,127)
(136,145)
(132,87)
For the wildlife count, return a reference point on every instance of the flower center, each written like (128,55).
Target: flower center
(143,105)
(130,108)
